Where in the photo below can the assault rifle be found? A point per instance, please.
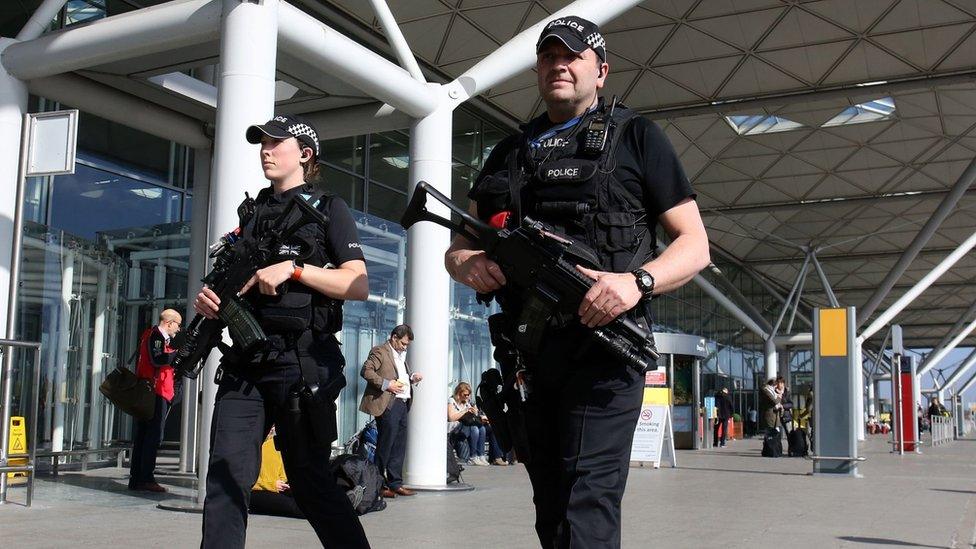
(540, 266)
(236, 260)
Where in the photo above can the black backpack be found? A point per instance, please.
(362, 482)
(772, 444)
(797, 441)
(453, 467)
(363, 443)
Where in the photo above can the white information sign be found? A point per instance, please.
(51, 143)
(654, 436)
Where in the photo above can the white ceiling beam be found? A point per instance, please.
(186, 86)
(518, 54)
(395, 38)
(128, 110)
(146, 31)
(332, 52)
(40, 19)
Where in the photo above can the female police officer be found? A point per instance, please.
(298, 302)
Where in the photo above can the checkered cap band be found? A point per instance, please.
(306, 130)
(595, 40)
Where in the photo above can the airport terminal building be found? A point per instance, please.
(830, 143)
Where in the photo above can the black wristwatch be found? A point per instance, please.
(645, 283)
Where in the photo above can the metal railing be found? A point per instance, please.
(6, 396)
(941, 427)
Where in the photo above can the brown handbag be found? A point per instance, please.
(131, 394)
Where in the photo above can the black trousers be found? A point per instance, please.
(279, 504)
(391, 442)
(145, 444)
(250, 398)
(582, 412)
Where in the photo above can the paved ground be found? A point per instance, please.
(730, 497)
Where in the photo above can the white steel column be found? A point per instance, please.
(934, 359)
(859, 419)
(40, 19)
(59, 384)
(13, 105)
(931, 226)
(113, 341)
(159, 289)
(82, 350)
(967, 385)
(772, 359)
(396, 39)
(98, 358)
(918, 288)
(871, 387)
(197, 264)
(428, 288)
(245, 96)
(951, 332)
(960, 371)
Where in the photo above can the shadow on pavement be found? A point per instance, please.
(777, 473)
(116, 486)
(953, 491)
(884, 541)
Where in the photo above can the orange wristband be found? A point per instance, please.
(297, 273)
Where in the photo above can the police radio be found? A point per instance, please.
(595, 135)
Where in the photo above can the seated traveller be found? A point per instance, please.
(466, 427)
(271, 494)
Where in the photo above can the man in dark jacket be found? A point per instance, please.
(723, 407)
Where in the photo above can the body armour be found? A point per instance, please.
(297, 308)
(554, 181)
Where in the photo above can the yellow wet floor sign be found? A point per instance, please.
(18, 445)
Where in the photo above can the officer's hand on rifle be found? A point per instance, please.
(207, 303)
(473, 269)
(610, 296)
(269, 278)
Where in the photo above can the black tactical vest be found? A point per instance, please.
(297, 308)
(576, 193)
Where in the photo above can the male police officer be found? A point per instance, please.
(605, 177)
(294, 381)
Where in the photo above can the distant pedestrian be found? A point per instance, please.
(752, 418)
(772, 405)
(723, 406)
(155, 355)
